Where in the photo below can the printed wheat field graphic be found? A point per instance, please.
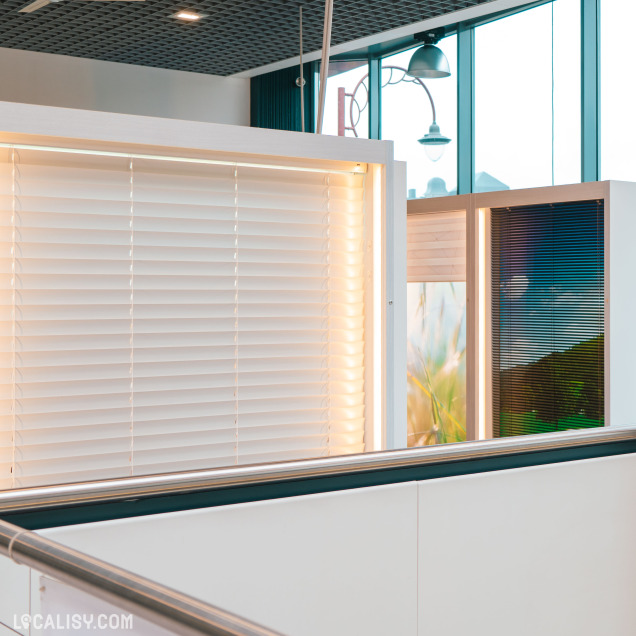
(436, 368)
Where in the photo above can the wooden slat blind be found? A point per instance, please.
(436, 247)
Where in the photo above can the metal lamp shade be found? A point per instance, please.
(429, 62)
(434, 142)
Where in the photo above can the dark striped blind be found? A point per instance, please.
(548, 317)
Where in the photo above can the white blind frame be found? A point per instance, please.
(161, 315)
(436, 247)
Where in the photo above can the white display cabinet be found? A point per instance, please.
(619, 205)
(182, 295)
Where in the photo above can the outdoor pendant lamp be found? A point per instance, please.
(434, 142)
(428, 61)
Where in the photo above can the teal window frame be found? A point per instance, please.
(590, 89)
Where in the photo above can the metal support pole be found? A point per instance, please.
(324, 67)
(302, 76)
(341, 111)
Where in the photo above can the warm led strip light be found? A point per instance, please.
(379, 360)
(482, 317)
(359, 169)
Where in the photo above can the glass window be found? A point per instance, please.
(407, 116)
(528, 99)
(618, 93)
(347, 100)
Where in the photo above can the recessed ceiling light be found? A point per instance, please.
(188, 16)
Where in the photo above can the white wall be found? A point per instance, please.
(14, 594)
(620, 264)
(58, 80)
(341, 563)
(543, 550)
(547, 550)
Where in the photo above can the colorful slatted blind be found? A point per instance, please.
(547, 266)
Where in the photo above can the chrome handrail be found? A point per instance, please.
(161, 605)
(25, 499)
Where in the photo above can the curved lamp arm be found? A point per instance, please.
(355, 101)
(421, 83)
(433, 141)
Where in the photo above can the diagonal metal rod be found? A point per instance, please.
(161, 605)
(324, 65)
(302, 76)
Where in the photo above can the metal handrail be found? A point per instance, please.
(25, 499)
(172, 610)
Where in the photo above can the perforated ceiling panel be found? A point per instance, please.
(236, 35)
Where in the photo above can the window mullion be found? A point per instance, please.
(375, 96)
(465, 109)
(590, 90)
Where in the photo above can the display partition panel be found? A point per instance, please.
(547, 317)
(439, 358)
(185, 307)
(593, 260)
(489, 209)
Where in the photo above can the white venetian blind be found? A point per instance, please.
(300, 321)
(436, 247)
(163, 315)
(184, 304)
(66, 233)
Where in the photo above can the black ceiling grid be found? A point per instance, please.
(236, 35)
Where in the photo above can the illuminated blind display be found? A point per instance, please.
(548, 317)
(161, 315)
